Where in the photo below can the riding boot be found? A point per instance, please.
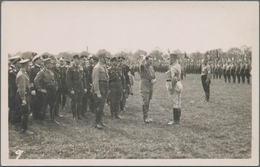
(175, 115)
(179, 113)
(145, 112)
(79, 111)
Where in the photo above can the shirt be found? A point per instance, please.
(99, 74)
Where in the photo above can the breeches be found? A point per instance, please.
(176, 99)
(204, 84)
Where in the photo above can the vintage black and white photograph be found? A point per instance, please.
(136, 82)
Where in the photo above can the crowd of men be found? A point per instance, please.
(89, 81)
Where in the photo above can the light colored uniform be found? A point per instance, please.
(174, 91)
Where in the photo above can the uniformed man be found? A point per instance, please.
(23, 94)
(242, 72)
(100, 88)
(238, 69)
(62, 68)
(228, 71)
(36, 103)
(115, 88)
(248, 71)
(224, 71)
(146, 86)
(83, 59)
(76, 87)
(12, 88)
(174, 88)
(125, 82)
(93, 60)
(46, 83)
(233, 72)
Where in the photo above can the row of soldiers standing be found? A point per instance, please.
(51, 83)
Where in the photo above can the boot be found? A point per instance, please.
(112, 110)
(176, 115)
(207, 96)
(79, 111)
(179, 114)
(145, 112)
(171, 122)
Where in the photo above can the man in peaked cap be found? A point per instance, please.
(76, 87)
(46, 83)
(36, 103)
(93, 60)
(100, 88)
(115, 88)
(23, 94)
(85, 96)
(12, 87)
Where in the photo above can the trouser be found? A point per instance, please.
(123, 101)
(225, 76)
(13, 107)
(100, 102)
(248, 78)
(234, 77)
(228, 76)
(206, 86)
(238, 78)
(147, 96)
(91, 102)
(84, 104)
(48, 99)
(243, 77)
(76, 105)
(37, 104)
(116, 94)
(23, 112)
(219, 74)
(181, 76)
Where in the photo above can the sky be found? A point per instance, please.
(56, 27)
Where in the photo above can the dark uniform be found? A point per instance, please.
(12, 89)
(247, 72)
(85, 96)
(36, 103)
(242, 72)
(45, 79)
(63, 85)
(233, 72)
(76, 83)
(115, 89)
(238, 69)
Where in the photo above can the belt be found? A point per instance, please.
(169, 80)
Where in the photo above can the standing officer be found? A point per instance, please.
(146, 85)
(224, 71)
(174, 88)
(242, 72)
(248, 71)
(115, 88)
(12, 88)
(23, 94)
(100, 88)
(238, 69)
(125, 81)
(62, 68)
(46, 83)
(93, 60)
(233, 72)
(76, 86)
(85, 98)
(36, 103)
(228, 71)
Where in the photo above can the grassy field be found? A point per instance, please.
(218, 129)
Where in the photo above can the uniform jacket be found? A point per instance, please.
(146, 74)
(75, 80)
(23, 85)
(12, 87)
(62, 70)
(115, 77)
(45, 79)
(89, 72)
(33, 72)
(99, 74)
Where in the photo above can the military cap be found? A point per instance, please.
(113, 59)
(47, 61)
(67, 61)
(14, 59)
(76, 57)
(95, 58)
(102, 55)
(172, 55)
(121, 58)
(24, 61)
(61, 59)
(36, 57)
(45, 56)
(83, 56)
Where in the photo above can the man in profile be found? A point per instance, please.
(146, 87)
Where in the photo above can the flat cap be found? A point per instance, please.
(83, 56)
(76, 57)
(47, 61)
(113, 59)
(24, 61)
(36, 58)
(95, 58)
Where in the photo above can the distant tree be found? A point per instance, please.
(139, 53)
(104, 51)
(235, 52)
(156, 54)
